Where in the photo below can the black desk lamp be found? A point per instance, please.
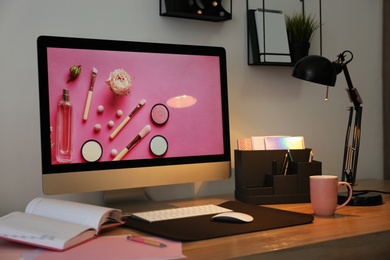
(320, 70)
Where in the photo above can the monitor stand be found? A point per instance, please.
(132, 200)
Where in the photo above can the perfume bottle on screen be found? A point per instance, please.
(64, 129)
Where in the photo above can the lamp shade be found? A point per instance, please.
(316, 69)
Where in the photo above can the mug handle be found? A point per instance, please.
(350, 192)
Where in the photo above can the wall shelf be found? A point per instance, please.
(289, 8)
(207, 10)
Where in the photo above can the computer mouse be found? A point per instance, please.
(233, 216)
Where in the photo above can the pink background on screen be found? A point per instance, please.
(191, 131)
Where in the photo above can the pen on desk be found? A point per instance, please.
(282, 169)
(146, 241)
(289, 155)
(311, 156)
(285, 169)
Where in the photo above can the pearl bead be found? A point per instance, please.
(100, 108)
(98, 127)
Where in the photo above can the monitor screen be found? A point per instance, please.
(120, 114)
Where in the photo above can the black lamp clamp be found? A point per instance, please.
(341, 65)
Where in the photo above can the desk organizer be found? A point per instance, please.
(257, 184)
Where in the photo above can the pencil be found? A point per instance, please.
(146, 241)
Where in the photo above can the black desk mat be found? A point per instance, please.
(202, 227)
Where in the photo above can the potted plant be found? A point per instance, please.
(300, 31)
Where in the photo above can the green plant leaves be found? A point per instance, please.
(301, 28)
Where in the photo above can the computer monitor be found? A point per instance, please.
(120, 114)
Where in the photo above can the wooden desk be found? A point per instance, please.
(362, 232)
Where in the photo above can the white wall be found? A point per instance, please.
(263, 100)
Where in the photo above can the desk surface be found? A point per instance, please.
(354, 231)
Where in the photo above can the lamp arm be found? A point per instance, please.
(352, 145)
(353, 93)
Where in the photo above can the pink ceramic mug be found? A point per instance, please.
(323, 194)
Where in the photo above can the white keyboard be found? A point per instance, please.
(182, 212)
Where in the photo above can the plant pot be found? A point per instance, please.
(298, 50)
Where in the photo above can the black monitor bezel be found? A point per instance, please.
(44, 42)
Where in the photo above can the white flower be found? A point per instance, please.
(120, 82)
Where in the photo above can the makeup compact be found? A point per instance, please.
(92, 151)
(158, 145)
(159, 114)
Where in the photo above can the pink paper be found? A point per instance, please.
(116, 247)
(109, 247)
(11, 250)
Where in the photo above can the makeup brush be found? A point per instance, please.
(138, 138)
(89, 97)
(127, 119)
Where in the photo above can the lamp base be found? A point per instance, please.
(361, 198)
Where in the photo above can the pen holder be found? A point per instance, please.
(258, 181)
